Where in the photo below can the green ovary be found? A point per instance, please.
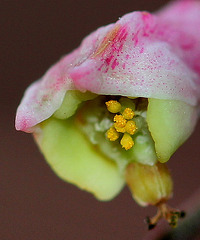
(75, 160)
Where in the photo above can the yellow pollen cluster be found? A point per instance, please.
(120, 121)
(127, 141)
(112, 134)
(131, 127)
(113, 106)
(122, 124)
(128, 113)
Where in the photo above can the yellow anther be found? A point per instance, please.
(127, 141)
(113, 106)
(120, 129)
(121, 125)
(120, 121)
(131, 127)
(128, 113)
(112, 134)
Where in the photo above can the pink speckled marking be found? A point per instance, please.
(109, 59)
(135, 38)
(114, 64)
(24, 124)
(142, 50)
(116, 45)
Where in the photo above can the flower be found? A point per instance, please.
(116, 108)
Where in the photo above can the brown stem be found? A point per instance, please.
(164, 211)
(188, 229)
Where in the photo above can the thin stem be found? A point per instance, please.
(188, 229)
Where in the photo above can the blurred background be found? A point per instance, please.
(34, 203)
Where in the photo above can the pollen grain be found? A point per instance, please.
(127, 141)
(120, 121)
(119, 129)
(112, 134)
(113, 106)
(131, 127)
(128, 113)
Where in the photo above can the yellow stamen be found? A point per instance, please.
(121, 124)
(113, 106)
(131, 127)
(120, 129)
(112, 134)
(128, 113)
(127, 141)
(120, 121)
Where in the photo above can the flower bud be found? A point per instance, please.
(149, 185)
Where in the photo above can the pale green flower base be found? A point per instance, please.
(75, 160)
(170, 122)
(81, 154)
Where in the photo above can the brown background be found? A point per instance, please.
(34, 203)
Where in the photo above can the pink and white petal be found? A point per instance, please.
(38, 104)
(181, 22)
(140, 56)
(134, 60)
(45, 96)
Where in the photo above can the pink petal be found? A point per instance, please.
(141, 55)
(181, 21)
(42, 98)
(45, 96)
(147, 56)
